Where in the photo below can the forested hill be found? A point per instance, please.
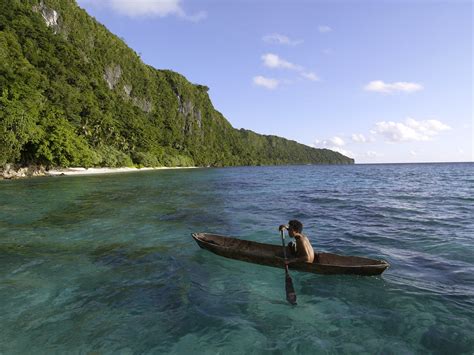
(74, 94)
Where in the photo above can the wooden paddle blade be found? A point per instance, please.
(290, 290)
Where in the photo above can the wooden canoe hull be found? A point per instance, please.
(271, 255)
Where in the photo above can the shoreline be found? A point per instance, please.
(10, 172)
(98, 171)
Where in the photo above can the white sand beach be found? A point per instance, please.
(94, 171)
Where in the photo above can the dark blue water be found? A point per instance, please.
(107, 264)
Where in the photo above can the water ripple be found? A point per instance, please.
(106, 263)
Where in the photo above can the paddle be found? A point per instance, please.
(290, 290)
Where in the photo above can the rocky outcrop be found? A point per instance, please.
(112, 75)
(190, 113)
(127, 89)
(143, 104)
(198, 117)
(50, 16)
(10, 171)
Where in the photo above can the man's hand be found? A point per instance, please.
(282, 227)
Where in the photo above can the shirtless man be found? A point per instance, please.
(304, 250)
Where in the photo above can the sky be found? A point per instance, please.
(380, 81)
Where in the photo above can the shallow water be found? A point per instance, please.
(106, 263)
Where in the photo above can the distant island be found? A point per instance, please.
(74, 94)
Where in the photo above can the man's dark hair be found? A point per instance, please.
(296, 225)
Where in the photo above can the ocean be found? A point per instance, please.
(107, 264)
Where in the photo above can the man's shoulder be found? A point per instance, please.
(302, 236)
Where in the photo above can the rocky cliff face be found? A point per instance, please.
(112, 75)
(50, 16)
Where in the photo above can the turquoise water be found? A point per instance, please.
(107, 264)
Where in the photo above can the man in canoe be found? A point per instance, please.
(301, 249)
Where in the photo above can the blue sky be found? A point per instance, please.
(380, 81)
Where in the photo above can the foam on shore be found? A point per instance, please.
(95, 171)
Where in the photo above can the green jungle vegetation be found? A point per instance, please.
(74, 94)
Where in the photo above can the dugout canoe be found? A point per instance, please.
(271, 255)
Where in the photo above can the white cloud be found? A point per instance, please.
(410, 130)
(361, 138)
(277, 38)
(267, 83)
(149, 8)
(337, 141)
(324, 29)
(334, 141)
(331, 142)
(358, 138)
(328, 51)
(310, 76)
(403, 86)
(271, 60)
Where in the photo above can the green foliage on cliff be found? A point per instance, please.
(73, 94)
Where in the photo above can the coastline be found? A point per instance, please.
(97, 171)
(10, 172)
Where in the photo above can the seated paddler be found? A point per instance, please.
(301, 249)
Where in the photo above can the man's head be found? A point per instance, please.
(294, 226)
